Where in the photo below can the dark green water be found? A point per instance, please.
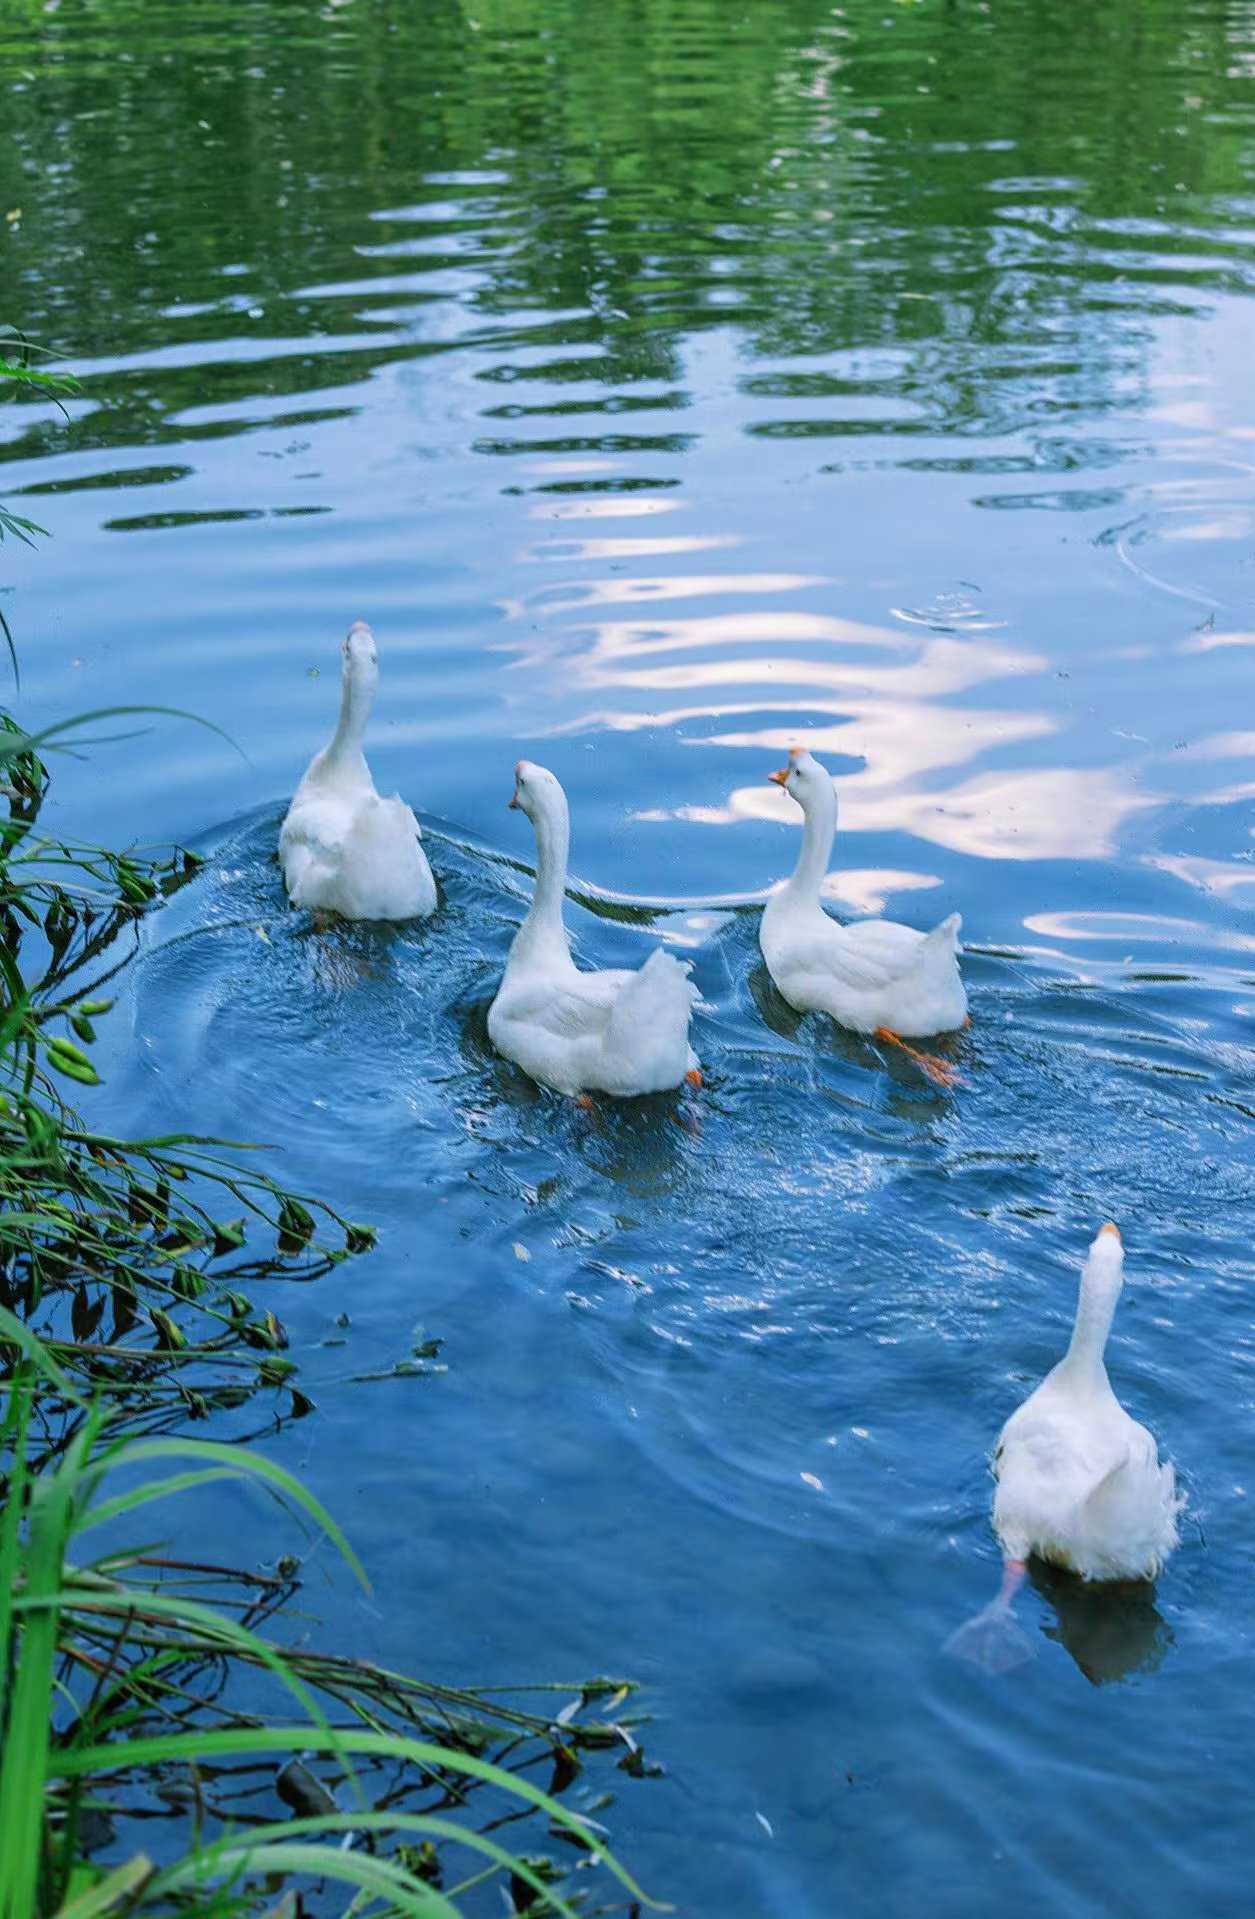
(668, 383)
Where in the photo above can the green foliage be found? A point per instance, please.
(133, 1681)
(16, 356)
(118, 1673)
(133, 1254)
(16, 374)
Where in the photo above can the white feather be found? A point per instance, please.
(872, 974)
(342, 847)
(611, 1032)
(1080, 1482)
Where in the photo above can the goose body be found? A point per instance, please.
(1080, 1483)
(343, 848)
(615, 1032)
(873, 976)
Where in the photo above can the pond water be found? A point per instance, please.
(668, 382)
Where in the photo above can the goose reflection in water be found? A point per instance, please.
(1112, 1630)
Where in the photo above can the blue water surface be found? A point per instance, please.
(668, 384)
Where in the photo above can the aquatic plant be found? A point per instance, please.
(133, 1676)
(130, 1680)
(16, 367)
(138, 1687)
(130, 1256)
(121, 1702)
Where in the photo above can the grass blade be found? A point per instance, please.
(228, 1460)
(160, 1749)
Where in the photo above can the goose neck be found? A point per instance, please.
(818, 830)
(1095, 1310)
(357, 697)
(542, 933)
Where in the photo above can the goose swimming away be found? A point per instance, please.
(874, 976)
(607, 1032)
(342, 848)
(1079, 1482)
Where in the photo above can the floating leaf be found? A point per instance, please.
(303, 1791)
(296, 1226)
(273, 1371)
(268, 1332)
(74, 1068)
(124, 1309)
(85, 1312)
(228, 1238)
(188, 1285)
(423, 1861)
(59, 1044)
(134, 884)
(170, 1333)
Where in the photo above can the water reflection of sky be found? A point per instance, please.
(672, 388)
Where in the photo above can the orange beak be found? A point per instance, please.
(1110, 1227)
(780, 776)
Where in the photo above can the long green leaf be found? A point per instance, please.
(377, 1876)
(218, 1627)
(28, 1732)
(17, 1418)
(424, 1824)
(117, 1888)
(13, 745)
(161, 1748)
(235, 1460)
(12, 1330)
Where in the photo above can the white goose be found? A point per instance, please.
(1079, 1481)
(610, 1032)
(874, 976)
(342, 848)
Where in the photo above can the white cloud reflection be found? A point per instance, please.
(1046, 813)
(883, 704)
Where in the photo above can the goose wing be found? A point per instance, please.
(399, 815)
(319, 822)
(866, 957)
(578, 1008)
(1051, 1446)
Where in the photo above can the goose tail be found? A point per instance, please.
(647, 1039)
(943, 942)
(936, 986)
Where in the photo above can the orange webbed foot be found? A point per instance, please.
(939, 1071)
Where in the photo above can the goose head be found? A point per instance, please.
(361, 658)
(1104, 1265)
(805, 780)
(537, 792)
(1101, 1281)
